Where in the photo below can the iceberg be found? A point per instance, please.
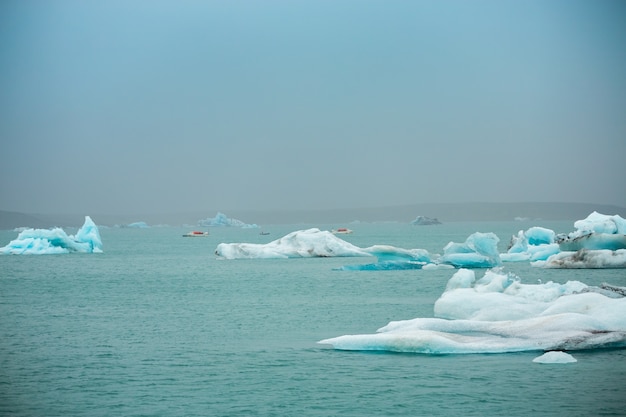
(536, 243)
(480, 250)
(392, 258)
(56, 241)
(599, 241)
(138, 225)
(221, 220)
(425, 221)
(539, 245)
(299, 244)
(585, 259)
(597, 231)
(555, 357)
(498, 314)
(317, 243)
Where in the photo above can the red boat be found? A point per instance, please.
(196, 233)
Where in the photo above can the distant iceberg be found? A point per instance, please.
(498, 314)
(56, 241)
(138, 225)
(425, 221)
(221, 220)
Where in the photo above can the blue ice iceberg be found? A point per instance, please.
(480, 250)
(498, 314)
(221, 220)
(55, 241)
(534, 244)
(392, 258)
(597, 231)
(599, 241)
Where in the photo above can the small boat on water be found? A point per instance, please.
(264, 233)
(196, 233)
(341, 230)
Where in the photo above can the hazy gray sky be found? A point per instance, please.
(170, 106)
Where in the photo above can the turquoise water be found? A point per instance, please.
(156, 326)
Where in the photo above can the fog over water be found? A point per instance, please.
(186, 108)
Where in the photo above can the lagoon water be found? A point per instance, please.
(157, 326)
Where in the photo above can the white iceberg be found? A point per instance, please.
(138, 225)
(498, 314)
(555, 357)
(55, 241)
(299, 244)
(221, 220)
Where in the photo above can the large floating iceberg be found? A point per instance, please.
(299, 244)
(499, 314)
(55, 241)
(597, 231)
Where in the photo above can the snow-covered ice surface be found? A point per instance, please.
(498, 313)
(299, 244)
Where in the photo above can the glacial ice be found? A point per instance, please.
(585, 259)
(221, 220)
(498, 314)
(555, 357)
(56, 241)
(597, 242)
(138, 225)
(480, 250)
(299, 244)
(537, 245)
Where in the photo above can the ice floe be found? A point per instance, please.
(497, 314)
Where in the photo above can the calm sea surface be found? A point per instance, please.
(156, 326)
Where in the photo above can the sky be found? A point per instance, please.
(175, 106)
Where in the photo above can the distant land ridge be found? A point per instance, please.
(448, 212)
